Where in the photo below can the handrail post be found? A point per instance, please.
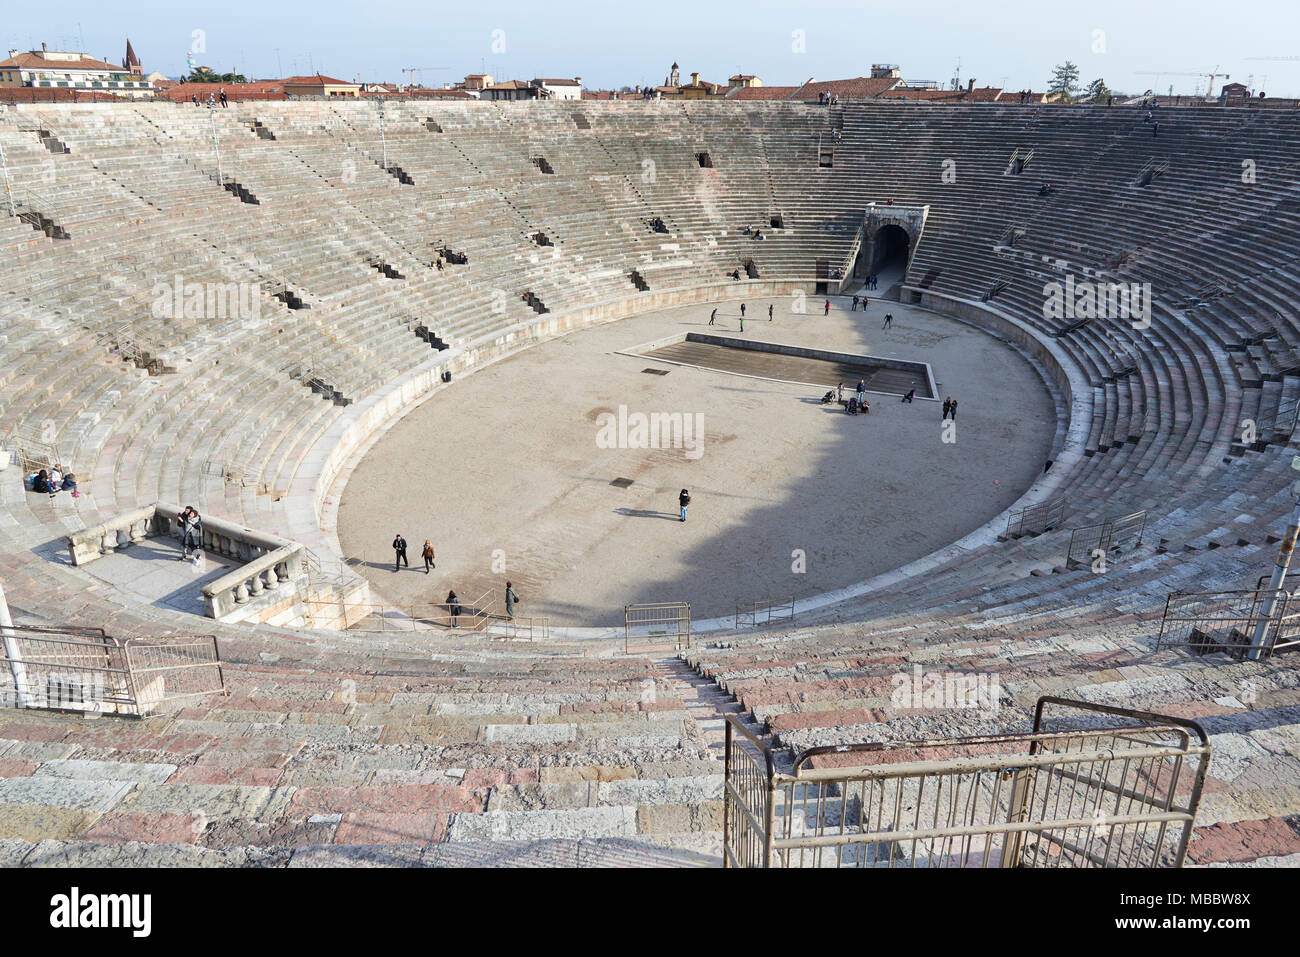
(726, 794)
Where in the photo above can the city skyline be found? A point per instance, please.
(1014, 47)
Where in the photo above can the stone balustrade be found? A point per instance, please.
(118, 532)
(255, 582)
(268, 562)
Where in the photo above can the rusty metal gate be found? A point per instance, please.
(1097, 787)
(656, 624)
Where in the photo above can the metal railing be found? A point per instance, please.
(475, 615)
(1110, 538)
(764, 611)
(531, 628)
(654, 624)
(1226, 621)
(86, 670)
(1125, 795)
(1035, 519)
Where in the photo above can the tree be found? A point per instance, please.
(1065, 82)
(1097, 91)
(199, 76)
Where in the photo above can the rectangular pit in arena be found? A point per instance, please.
(783, 363)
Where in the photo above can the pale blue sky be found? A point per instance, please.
(1013, 43)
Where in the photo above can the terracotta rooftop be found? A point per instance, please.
(316, 79)
(762, 92)
(39, 62)
(858, 88)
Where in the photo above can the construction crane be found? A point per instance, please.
(412, 70)
(1212, 74)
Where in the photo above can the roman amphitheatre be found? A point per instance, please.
(414, 318)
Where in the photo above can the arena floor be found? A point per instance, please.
(505, 471)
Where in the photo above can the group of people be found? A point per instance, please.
(713, 316)
(454, 607)
(212, 99)
(828, 99)
(399, 554)
(53, 481)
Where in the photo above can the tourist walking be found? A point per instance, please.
(683, 500)
(511, 598)
(854, 307)
(399, 552)
(427, 555)
(712, 316)
(827, 310)
(889, 320)
(947, 406)
(742, 310)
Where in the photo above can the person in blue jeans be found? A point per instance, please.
(684, 499)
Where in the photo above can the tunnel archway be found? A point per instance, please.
(891, 248)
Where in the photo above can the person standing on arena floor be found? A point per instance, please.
(947, 406)
(742, 312)
(862, 391)
(769, 312)
(399, 552)
(713, 315)
(511, 598)
(827, 310)
(889, 320)
(427, 555)
(453, 608)
(952, 410)
(839, 392)
(683, 500)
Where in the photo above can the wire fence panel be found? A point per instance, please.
(656, 624)
(1120, 796)
(1035, 519)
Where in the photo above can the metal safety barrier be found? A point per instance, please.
(80, 669)
(1035, 519)
(651, 624)
(764, 611)
(1226, 621)
(1078, 795)
(1106, 540)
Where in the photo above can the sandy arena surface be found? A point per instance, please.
(505, 472)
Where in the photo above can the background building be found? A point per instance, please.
(64, 70)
